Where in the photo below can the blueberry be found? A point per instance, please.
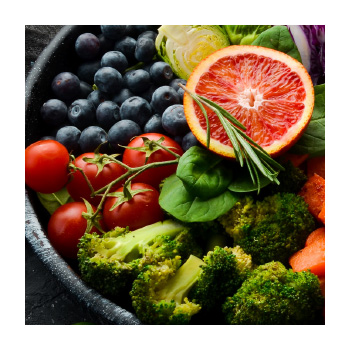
(91, 138)
(122, 95)
(105, 44)
(113, 32)
(48, 138)
(163, 97)
(122, 132)
(127, 46)
(175, 83)
(115, 59)
(136, 109)
(108, 80)
(97, 97)
(137, 81)
(178, 139)
(85, 89)
(81, 113)
(174, 121)
(145, 49)
(147, 66)
(69, 136)
(181, 93)
(154, 124)
(87, 46)
(148, 34)
(87, 70)
(161, 73)
(54, 112)
(66, 86)
(143, 28)
(147, 94)
(107, 114)
(188, 141)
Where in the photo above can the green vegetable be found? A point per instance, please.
(52, 201)
(274, 295)
(278, 38)
(244, 34)
(271, 229)
(203, 173)
(177, 201)
(184, 46)
(171, 293)
(312, 142)
(110, 263)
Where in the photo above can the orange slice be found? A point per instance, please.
(268, 91)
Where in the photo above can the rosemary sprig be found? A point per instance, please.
(245, 149)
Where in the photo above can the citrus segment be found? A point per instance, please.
(269, 92)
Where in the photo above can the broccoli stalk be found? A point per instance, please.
(110, 263)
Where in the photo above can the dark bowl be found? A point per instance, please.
(56, 58)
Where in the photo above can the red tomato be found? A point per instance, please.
(66, 226)
(142, 210)
(78, 187)
(135, 159)
(46, 166)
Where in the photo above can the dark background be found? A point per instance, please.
(46, 301)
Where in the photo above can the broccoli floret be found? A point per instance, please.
(274, 295)
(271, 229)
(159, 294)
(292, 179)
(110, 263)
(223, 273)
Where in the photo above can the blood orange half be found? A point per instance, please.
(269, 92)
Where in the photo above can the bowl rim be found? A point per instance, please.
(102, 308)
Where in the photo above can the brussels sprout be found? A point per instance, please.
(244, 35)
(183, 47)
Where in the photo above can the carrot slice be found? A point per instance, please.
(312, 258)
(313, 193)
(317, 166)
(322, 214)
(317, 235)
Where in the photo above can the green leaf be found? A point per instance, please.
(278, 38)
(177, 201)
(312, 142)
(242, 181)
(203, 173)
(244, 34)
(52, 201)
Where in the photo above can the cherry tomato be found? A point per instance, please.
(78, 187)
(143, 209)
(135, 158)
(66, 226)
(46, 166)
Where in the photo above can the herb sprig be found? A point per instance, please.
(246, 150)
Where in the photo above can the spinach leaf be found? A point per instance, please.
(177, 201)
(278, 38)
(52, 201)
(203, 173)
(242, 181)
(312, 142)
(244, 34)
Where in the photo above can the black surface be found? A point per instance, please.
(46, 301)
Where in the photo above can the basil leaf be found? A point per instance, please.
(312, 142)
(52, 201)
(278, 38)
(203, 173)
(242, 181)
(177, 201)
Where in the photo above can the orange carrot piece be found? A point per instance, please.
(322, 214)
(295, 159)
(318, 234)
(313, 193)
(317, 166)
(312, 258)
(323, 285)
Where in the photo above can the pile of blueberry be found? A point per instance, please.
(120, 90)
